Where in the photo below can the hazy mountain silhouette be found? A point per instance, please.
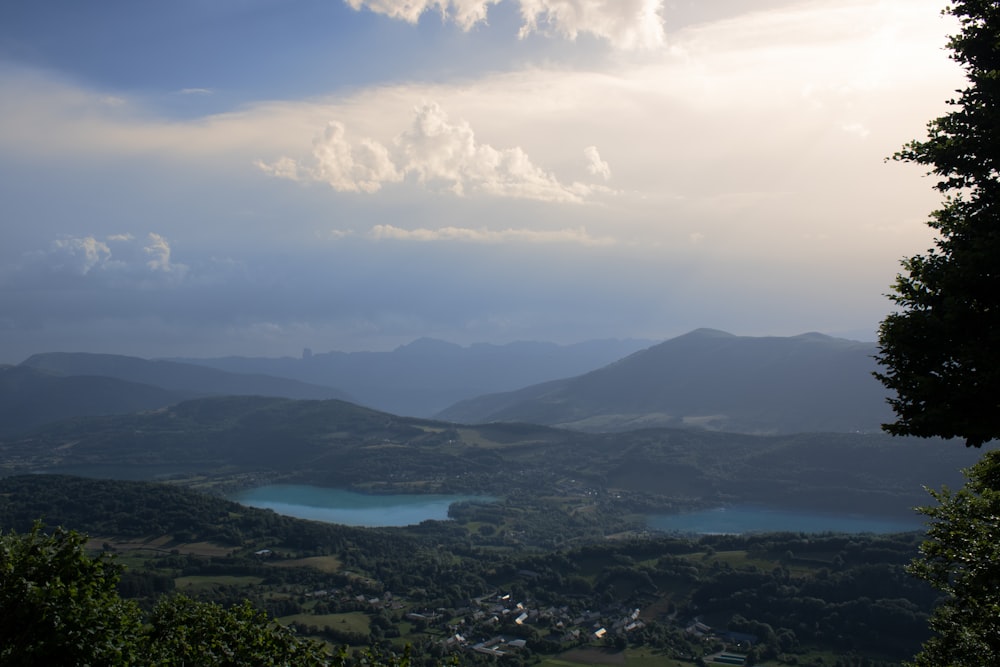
(428, 375)
(31, 397)
(189, 378)
(712, 379)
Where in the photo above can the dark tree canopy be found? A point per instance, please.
(961, 558)
(59, 606)
(940, 350)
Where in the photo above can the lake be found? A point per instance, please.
(349, 508)
(751, 519)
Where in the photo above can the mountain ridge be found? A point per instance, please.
(176, 376)
(707, 377)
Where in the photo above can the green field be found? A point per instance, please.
(348, 622)
(207, 582)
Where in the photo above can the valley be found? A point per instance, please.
(548, 545)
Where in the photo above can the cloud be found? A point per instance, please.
(466, 13)
(578, 236)
(158, 251)
(76, 256)
(435, 152)
(625, 24)
(360, 167)
(118, 259)
(595, 165)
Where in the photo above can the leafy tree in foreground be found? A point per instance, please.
(188, 632)
(941, 350)
(60, 607)
(961, 558)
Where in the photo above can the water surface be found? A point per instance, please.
(350, 508)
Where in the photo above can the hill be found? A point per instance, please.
(428, 375)
(710, 379)
(30, 397)
(175, 376)
(338, 444)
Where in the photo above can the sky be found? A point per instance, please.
(252, 177)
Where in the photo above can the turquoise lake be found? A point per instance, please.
(748, 519)
(349, 508)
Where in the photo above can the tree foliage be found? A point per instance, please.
(59, 606)
(961, 558)
(941, 349)
(188, 632)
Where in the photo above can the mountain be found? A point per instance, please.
(712, 379)
(30, 397)
(428, 375)
(180, 377)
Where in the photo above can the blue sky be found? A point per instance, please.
(203, 178)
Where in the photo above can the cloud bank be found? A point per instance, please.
(578, 236)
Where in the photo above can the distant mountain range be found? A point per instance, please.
(52, 386)
(428, 375)
(712, 379)
(707, 378)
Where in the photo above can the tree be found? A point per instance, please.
(941, 350)
(188, 632)
(60, 607)
(961, 558)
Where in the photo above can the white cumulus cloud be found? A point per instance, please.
(595, 165)
(437, 150)
(626, 24)
(434, 151)
(361, 167)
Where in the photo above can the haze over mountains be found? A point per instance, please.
(52, 386)
(427, 375)
(706, 378)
